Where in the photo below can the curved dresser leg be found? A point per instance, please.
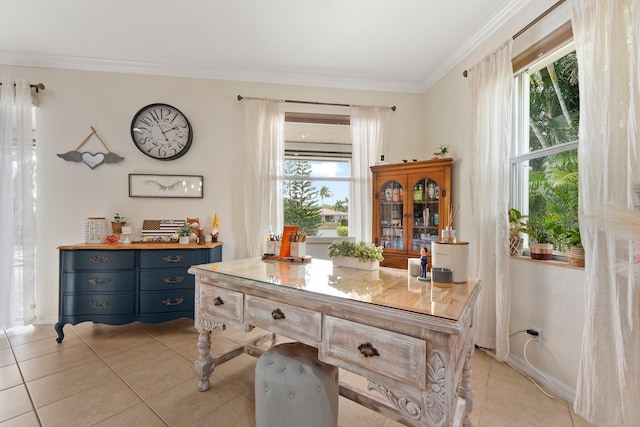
(59, 327)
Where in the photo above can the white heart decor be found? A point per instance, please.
(93, 160)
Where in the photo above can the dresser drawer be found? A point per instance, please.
(222, 304)
(172, 258)
(398, 356)
(100, 281)
(297, 323)
(98, 260)
(166, 302)
(99, 304)
(178, 278)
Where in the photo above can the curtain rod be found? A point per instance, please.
(531, 24)
(38, 87)
(240, 98)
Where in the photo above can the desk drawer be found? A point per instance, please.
(172, 258)
(222, 304)
(99, 304)
(294, 322)
(154, 280)
(399, 356)
(98, 260)
(166, 302)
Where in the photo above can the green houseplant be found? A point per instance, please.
(540, 232)
(361, 255)
(184, 234)
(117, 223)
(516, 225)
(573, 245)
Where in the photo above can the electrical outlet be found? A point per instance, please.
(536, 333)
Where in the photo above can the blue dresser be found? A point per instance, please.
(118, 284)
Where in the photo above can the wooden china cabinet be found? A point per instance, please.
(410, 207)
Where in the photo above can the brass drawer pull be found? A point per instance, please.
(95, 304)
(101, 260)
(178, 279)
(218, 301)
(98, 282)
(368, 350)
(277, 314)
(168, 302)
(173, 260)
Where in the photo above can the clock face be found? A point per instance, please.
(161, 131)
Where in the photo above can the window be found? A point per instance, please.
(317, 173)
(544, 162)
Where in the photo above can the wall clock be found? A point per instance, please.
(161, 131)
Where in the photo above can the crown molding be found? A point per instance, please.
(508, 11)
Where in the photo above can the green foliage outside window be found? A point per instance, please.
(554, 119)
(301, 199)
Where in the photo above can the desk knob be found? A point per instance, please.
(277, 314)
(218, 301)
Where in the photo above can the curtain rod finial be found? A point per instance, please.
(393, 108)
(239, 97)
(464, 73)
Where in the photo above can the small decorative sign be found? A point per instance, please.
(90, 159)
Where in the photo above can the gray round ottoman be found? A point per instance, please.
(293, 388)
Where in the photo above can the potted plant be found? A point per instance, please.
(361, 255)
(184, 234)
(117, 223)
(516, 226)
(541, 239)
(573, 246)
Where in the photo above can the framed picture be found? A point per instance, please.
(175, 186)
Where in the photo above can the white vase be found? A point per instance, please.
(183, 240)
(350, 262)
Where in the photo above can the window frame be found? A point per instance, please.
(556, 45)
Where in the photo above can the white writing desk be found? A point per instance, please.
(419, 372)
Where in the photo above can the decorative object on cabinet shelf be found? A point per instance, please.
(214, 228)
(184, 234)
(90, 159)
(161, 230)
(516, 242)
(361, 255)
(168, 186)
(113, 239)
(117, 223)
(440, 152)
(126, 232)
(95, 229)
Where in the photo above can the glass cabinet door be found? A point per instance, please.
(392, 215)
(426, 212)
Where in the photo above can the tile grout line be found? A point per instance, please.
(24, 383)
(123, 381)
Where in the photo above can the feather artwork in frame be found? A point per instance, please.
(170, 186)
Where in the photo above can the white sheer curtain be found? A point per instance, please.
(17, 245)
(607, 40)
(491, 83)
(369, 126)
(263, 170)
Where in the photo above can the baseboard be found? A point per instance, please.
(557, 387)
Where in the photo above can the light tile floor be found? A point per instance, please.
(142, 375)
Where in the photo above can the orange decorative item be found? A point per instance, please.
(287, 236)
(113, 239)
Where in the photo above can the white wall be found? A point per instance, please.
(68, 192)
(545, 296)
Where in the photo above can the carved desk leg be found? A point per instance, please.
(203, 366)
(466, 392)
